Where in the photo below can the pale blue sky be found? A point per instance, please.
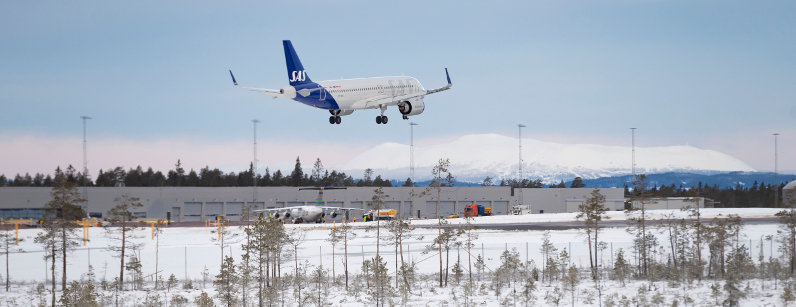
(717, 75)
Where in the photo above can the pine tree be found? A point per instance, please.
(171, 282)
(317, 170)
(121, 215)
(577, 183)
(226, 283)
(592, 211)
(204, 300)
(297, 175)
(548, 250)
(621, 267)
(8, 245)
(439, 172)
(60, 216)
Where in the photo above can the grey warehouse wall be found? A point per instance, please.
(199, 203)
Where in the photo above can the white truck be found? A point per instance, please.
(520, 209)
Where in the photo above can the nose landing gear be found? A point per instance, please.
(335, 120)
(381, 119)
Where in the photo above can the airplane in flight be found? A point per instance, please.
(306, 214)
(343, 97)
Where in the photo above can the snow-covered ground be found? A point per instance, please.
(187, 252)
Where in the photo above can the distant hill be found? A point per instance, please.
(473, 157)
(731, 179)
(687, 180)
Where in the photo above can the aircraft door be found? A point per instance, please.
(322, 93)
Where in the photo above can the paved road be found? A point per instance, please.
(578, 224)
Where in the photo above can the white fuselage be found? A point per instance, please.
(392, 90)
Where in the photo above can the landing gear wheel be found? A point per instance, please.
(406, 117)
(337, 120)
(384, 119)
(331, 119)
(378, 119)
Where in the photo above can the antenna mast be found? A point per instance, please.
(85, 163)
(412, 152)
(519, 181)
(254, 163)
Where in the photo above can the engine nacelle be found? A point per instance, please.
(341, 112)
(412, 107)
(276, 215)
(334, 214)
(288, 91)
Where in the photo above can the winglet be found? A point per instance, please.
(446, 74)
(236, 82)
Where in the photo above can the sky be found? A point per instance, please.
(153, 77)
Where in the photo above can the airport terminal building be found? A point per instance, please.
(206, 203)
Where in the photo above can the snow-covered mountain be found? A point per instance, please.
(474, 157)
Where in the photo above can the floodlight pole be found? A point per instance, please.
(85, 164)
(776, 173)
(633, 149)
(519, 181)
(254, 163)
(412, 151)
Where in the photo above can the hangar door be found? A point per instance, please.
(233, 211)
(445, 208)
(500, 207)
(193, 212)
(406, 209)
(256, 205)
(392, 205)
(212, 210)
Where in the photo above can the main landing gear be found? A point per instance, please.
(382, 119)
(335, 120)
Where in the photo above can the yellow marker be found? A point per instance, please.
(153, 228)
(219, 228)
(16, 227)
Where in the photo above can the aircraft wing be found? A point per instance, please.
(338, 208)
(372, 102)
(276, 209)
(444, 88)
(272, 93)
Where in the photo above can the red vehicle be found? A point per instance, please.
(476, 210)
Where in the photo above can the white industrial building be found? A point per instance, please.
(205, 203)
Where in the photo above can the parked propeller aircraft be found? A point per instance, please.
(343, 97)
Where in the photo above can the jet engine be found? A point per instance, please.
(334, 214)
(276, 215)
(411, 107)
(341, 112)
(288, 91)
(287, 215)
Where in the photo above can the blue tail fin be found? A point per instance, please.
(295, 71)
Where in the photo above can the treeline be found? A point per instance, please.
(205, 177)
(758, 195)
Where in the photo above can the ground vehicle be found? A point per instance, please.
(385, 214)
(476, 210)
(520, 209)
(453, 216)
